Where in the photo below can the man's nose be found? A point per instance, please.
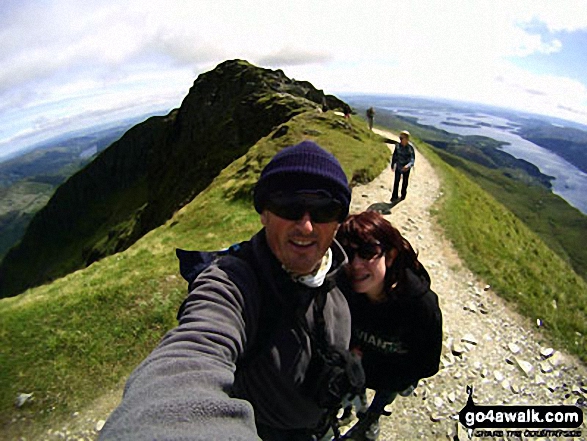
(305, 223)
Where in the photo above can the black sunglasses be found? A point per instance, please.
(293, 207)
(366, 251)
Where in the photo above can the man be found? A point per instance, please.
(402, 162)
(237, 365)
(370, 117)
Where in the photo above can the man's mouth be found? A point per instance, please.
(302, 243)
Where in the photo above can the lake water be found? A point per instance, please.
(569, 182)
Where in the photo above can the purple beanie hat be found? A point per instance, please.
(303, 167)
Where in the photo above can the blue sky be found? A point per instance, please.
(68, 64)
(570, 60)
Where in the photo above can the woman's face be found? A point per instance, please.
(366, 270)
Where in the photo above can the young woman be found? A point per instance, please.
(395, 318)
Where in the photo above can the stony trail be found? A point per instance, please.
(486, 344)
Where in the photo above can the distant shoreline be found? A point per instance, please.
(519, 133)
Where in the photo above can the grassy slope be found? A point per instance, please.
(495, 244)
(561, 226)
(68, 341)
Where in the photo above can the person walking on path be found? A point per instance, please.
(370, 117)
(244, 362)
(402, 161)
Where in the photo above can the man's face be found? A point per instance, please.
(403, 139)
(301, 243)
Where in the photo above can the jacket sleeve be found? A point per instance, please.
(182, 389)
(424, 359)
(412, 157)
(394, 156)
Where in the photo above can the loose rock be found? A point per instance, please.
(22, 399)
(524, 366)
(469, 338)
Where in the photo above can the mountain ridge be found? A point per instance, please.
(154, 169)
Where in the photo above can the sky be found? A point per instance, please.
(70, 64)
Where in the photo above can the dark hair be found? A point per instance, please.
(369, 227)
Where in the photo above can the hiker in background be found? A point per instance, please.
(324, 105)
(402, 161)
(246, 360)
(346, 109)
(370, 117)
(396, 319)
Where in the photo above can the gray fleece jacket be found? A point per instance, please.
(236, 359)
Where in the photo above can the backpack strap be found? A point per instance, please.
(192, 263)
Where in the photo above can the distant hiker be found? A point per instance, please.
(396, 320)
(370, 117)
(261, 349)
(324, 105)
(402, 162)
(346, 109)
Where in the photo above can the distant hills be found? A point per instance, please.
(28, 180)
(154, 169)
(567, 139)
(515, 183)
(567, 142)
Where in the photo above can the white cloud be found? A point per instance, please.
(67, 51)
(293, 57)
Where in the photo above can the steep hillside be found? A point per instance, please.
(70, 341)
(154, 169)
(568, 142)
(27, 181)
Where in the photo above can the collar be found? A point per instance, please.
(315, 279)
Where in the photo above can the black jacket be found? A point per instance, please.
(237, 349)
(403, 156)
(401, 339)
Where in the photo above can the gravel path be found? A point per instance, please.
(486, 344)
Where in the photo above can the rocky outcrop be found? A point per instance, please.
(157, 167)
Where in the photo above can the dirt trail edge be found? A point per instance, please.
(486, 344)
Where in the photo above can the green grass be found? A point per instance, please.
(561, 226)
(68, 341)
(496, 245)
